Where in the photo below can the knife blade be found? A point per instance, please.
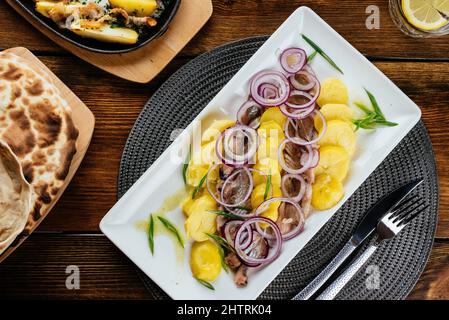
(364, 229)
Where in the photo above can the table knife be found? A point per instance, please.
(366, 228)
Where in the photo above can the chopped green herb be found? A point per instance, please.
(243, 208)
(227, 215)
(221, 241)
(312, 56)
(199, 186)
(222, 253)
(267, 187)
(321, 53)
(185, 167)
(170, 227)
(373, 117)
(151, 234)
(206, 284)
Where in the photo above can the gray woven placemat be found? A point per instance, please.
(400, 261)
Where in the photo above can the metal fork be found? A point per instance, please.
(390, 225)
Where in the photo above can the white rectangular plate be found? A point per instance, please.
(164, 177)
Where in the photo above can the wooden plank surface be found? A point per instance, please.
(93, 190)
(37, 269)
(106, 274)
(236, 19)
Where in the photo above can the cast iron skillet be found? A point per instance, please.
(171, 7)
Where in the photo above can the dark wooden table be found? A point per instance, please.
(70, 234)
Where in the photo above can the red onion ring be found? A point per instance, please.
(303, 87)
(230, 234)
(248, 194)
(316, 158)
(305, 165)
(291, 234)
(296, 113)
(299, 140)
(229, 157)
(268, 91)
(312, 100)
(242, 112)
(299, 56)
(275, 250)
(274, 78)
(302, 190)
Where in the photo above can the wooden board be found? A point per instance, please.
(83, 119)
(145, 63)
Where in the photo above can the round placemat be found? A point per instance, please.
(397, 264)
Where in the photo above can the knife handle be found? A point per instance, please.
(327, 272)
(336, 286)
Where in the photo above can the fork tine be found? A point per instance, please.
(403, 202)
(410, 205)
(405, 221)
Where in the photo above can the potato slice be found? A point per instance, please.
(271, 129)
(257, 197)
(109, 34)
(332, 111)
(333, 90)
(203, 203)
(267, 166)
(268, 148)
(274, 114)
(205, 261)
(334, 161)
(195, 172)
(326, 192)
(215, 129)
(340, 133)
(201, 220)
(139, 8)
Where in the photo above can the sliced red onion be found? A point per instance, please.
(300, 100)
(293, 60)
(303, 185)
(276, 244)
(300, 219)
(272, 77)
(304, 140)
(316, 158)
(258, 249)
(241, 137)
(309, 69)
(296, 113)
(268, 91)
(303, 80)
(247, 194)
(249, 114)
(306, 160)
(230, 230)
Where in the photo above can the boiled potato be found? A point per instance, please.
(268, 148)
(340, 133)
(271, 129)
(205, 261)
(208, 154)
(333, 90)
(190, 205)
(139, 8)
(215, 129)
(195, 172)
(201, 220)
(334, 161)
(257, 197)
(274, 114)
(109, 34)
(267, 166)
(326, 192)
(332, 111)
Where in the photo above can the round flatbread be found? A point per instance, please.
(15, 197)
(36, 122)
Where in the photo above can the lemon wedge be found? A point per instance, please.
(426, 14)
(334, 161)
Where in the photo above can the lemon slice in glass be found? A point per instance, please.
(426, 14)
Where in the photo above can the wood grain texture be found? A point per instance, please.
(236, 19)
(144, 64)
(116, 105)
(106, 274)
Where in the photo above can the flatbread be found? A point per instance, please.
(15, 197)
(36, 122)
